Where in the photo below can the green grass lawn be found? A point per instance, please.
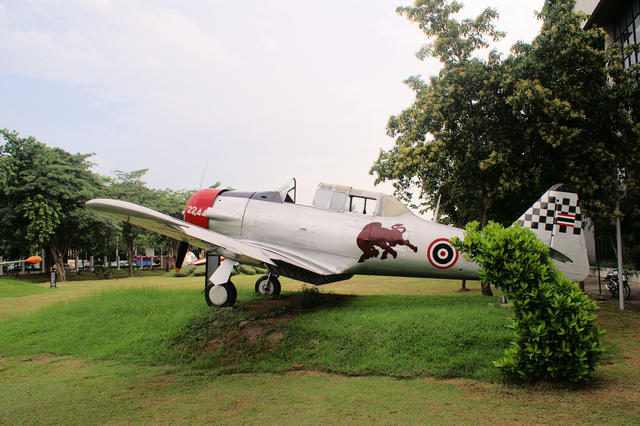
(405, 336)
(14, 288)
(388, 350)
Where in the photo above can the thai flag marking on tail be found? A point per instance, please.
(564, 219)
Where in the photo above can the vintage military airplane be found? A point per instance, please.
(345, 231)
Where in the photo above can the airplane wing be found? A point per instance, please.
(177, 229)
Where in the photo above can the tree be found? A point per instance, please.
(43, 194)
(128, 186)
(169, 202)
(580, 109)
(459, 141)
(499, 132)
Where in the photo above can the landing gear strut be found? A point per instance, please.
(268, 285)
(219, 291)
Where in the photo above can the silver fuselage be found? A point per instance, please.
(329, 238)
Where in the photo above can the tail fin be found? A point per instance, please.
(557, 221)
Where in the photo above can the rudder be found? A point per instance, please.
(557, 221)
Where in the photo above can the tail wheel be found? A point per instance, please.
(221, 295)
(268, 286)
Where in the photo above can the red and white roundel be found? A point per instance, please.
(442, 254)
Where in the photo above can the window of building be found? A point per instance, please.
(626, 31)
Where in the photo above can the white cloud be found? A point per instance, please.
(261, 90)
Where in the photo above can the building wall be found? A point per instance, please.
(586, 6)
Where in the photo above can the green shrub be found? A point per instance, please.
(102, 271)
(635, 257)
(556, 336)
(246, 269)
(186, 271)
(311, 297)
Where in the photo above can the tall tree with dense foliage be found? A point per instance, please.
(580, 109)
(128, 186)
(499, 132)
(42, 196)
(458, 142)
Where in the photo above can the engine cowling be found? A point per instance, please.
(198, 204)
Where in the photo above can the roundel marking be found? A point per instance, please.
(442, 254)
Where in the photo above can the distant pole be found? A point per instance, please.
(204, 172)
(436, 214)
(1, 266)
(619, 246)
(42, 264)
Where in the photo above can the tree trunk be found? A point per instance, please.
(486, 289)
(486, 208)
(487, 202)
(129, 242)
(58, 260)
(130, 250)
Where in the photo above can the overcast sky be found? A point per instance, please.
(256, 92)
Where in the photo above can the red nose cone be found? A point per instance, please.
(33, 259)
(198, 204)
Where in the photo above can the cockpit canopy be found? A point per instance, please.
(347, 199)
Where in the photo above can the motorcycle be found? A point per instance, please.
(611, 284)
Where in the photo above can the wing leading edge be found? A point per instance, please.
(180, 230)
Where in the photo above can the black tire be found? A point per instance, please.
(224, 298)
(627, 291)
(268, 286)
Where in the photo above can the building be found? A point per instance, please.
(619, 18)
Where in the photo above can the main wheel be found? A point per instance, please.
(221, 295)
(268, 286)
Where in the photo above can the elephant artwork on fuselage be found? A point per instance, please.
(374, 235)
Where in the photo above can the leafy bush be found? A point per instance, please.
(556, 336)
(311, 297)
(200, 271)
(635, 257)
(246, 269)
(102, 271)
(185, 271)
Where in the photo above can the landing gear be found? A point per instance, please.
(221, 295)
(268, 285)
